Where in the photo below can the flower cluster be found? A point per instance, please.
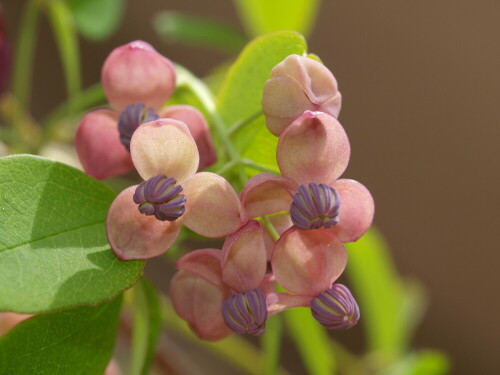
(313, 211)
(282, 230)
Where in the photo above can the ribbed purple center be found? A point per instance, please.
(246, 312)
(130, 119)
(160, 196)
(336, 308)
(315, 206)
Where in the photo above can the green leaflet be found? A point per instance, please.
(390, 307)
(72, 342)
(241, 94)
(182, 27)
(97, 19)
(311, 340)
(53, 247)
(264, 16)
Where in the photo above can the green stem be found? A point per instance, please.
(270, 227)
(23, 64)
(241, 124)
(67, 41)
(226, 167)
(198, 88)
(256, 166)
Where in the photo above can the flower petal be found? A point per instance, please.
(136, 73)
(205, 263)
(356, 210)
(198, 128)
(315, 148)
(164, 146)
(281, 222)
(266, 194)
(283, 101)
(199, 302)
(213, 208)
(133, 235)
(244, 257)
(307, 262)
(98, 145)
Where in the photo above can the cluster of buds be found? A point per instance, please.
(285, 230)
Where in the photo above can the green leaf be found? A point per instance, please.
(97, 19)
(428, 362)
(185, 28)
(311, 341)
(75, 341)
(53, 247)
(264, 16)
(241, 93)
(147, 327)
(390, 307)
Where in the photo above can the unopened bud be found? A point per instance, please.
(298, 84)
(246, 312)
(315, 206)
(336, 308)
(136, 73)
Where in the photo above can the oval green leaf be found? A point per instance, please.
(264, 16)
(74, 341)
(53, 247)
(97, 19)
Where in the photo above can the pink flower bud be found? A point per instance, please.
(298, 84)
(136, 73)
(98, 145)
(198, 128)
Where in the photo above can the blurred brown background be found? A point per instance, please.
(421, 88)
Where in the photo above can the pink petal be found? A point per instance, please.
(278, 302)
(266, 194)
(199, 303)
(356, 210)
(244, 257)
(136, 73)
(98, 145)
(164, 146)
(198, 128)
(283, 101)
(205, 263)
(133, 235)
(213, 208)
(307, 262)
(315, 148)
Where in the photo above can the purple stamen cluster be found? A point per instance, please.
(336, 308)
(130, 119)
(159, 196)
(315, 206)
(246, 312)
